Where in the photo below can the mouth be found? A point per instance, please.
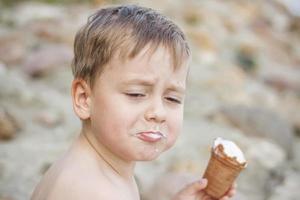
(151, 136)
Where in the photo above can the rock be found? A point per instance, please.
(50, 118)
(296, 159)
(28, 12)
(2, 69)
(100, 2)
(260, 153)
(289, 189)
(293, 6)
(6, 197)
(12, 48)
(241, 196)
(281, 21)
(191, 15)
(8, 125)
(295, 26)
(53, 30)
(47, 29)
(19, 91)
(255, 121)
(289, 106)
(246, 57)
(2, 170)
(47, 58)
(283, 78)
(219, 85)
(266, 164)
(203, 40)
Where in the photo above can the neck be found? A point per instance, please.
(106, 158)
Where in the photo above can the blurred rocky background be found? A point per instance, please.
(244, 85)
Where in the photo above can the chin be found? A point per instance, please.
(150, 158)
(150, 155)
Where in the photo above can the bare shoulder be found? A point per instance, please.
(74, 178)
(71, 179)
(78, 185)
(79, 176)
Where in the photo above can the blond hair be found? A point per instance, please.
(125, 29)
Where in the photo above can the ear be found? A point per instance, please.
(81, 97)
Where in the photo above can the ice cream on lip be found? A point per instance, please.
(151, 136)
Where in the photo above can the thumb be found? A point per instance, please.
(194, 187)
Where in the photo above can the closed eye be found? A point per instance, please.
(173, 100)
(135, 94)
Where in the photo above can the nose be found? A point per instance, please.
(156, 111)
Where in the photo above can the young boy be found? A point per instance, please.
(130, 70)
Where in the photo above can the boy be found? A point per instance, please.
(130, 69)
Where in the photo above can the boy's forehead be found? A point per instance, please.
(149, 62)
(150, 54)
(147, 66)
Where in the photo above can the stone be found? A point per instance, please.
(12, 48)
(50, 118)
(259, 122)
(3, 69)
(31, 11)
(6, 197)
(47, 58)
(246, 58)
(266, 165)
(191, 15)
(203, 40)
(295, 25)
(8, 125)
(2, 170)
(289, 189)
(99, 2)
(53, 30)
(293, 6)
(289, 106)
(283, 78)
(296, 160)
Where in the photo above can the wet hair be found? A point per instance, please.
(124, 31)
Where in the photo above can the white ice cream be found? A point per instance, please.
(230, 149)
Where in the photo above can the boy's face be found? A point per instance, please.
(136, 106)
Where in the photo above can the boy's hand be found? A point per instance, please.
(195, 191)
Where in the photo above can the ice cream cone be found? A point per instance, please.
(221, 172)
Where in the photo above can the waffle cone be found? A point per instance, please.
(221, 172)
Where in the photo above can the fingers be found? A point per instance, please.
(206, 197)
(194, 188)
(231, 192)
(225, 198)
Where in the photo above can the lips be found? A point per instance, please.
(150, 136)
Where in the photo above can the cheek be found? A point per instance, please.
(114, 115)
(174, 126)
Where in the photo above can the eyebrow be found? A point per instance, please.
(177, 89)
(150, 82)
(144, 82)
